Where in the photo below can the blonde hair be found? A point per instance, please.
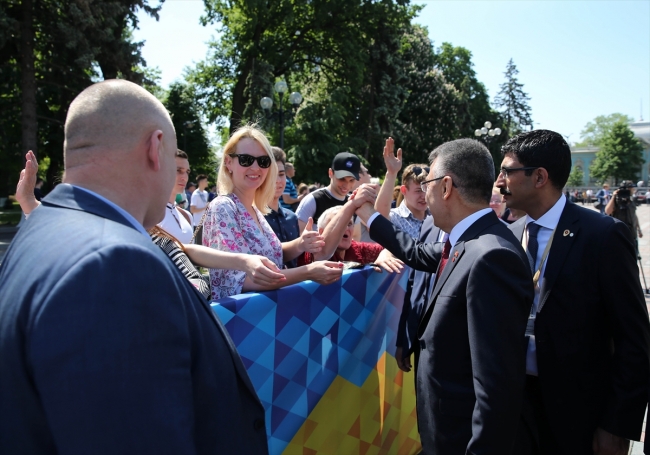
(264, 194)
(409, 176)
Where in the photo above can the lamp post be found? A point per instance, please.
(186, 125)
(295, 99)
(487, 134)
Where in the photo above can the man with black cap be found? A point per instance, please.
(343, 173)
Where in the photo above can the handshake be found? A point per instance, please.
(363, 198)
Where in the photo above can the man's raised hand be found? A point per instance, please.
(393, 163)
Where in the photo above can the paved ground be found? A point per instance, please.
(643, 211)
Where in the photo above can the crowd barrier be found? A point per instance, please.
(322, 361)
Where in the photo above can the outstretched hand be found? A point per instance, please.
(325, 272)
(263, 271)
(311, 241)
(26, 182)
(388, 262)
(393, 163)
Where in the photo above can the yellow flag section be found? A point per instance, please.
(381, 418)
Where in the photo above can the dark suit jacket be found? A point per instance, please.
(592, 334)
(416, 298)
(472, 362)
(105, 348)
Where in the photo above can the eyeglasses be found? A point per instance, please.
(506, 170)
(424, 185)
(417, 170)
(248, 160)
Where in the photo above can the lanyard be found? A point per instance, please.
(524, 243)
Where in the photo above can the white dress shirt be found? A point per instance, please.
(547, 222)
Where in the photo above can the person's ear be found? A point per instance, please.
(403, 189)
(447, 185)
(330, 173)
(155, 150)
(541, 177)
(227, 161)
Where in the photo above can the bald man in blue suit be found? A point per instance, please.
(105, 347)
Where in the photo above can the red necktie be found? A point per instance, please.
(445, 257)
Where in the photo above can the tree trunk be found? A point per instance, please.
(28, 80)
(238, 96)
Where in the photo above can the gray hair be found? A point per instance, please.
(327, 215)
(469, 164)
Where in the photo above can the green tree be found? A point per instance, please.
(576, 178)
(512, 102)
(190, 132)
(620, 155)
(474, 108)
(431, 111)
(49, 51)
(594, 131)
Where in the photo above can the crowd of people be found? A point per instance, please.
(524, 319)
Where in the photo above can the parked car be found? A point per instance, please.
(641, 196)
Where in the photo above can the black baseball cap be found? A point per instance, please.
(346, 165)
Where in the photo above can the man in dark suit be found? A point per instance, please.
(415, 300)
(587, 360)
(470, 373)
(105, 347)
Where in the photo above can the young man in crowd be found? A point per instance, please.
(282, 220)
(343, 173)
(191, 186)
(199, 201)
(290, 198)
(177, 221)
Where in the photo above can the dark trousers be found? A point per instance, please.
(534, 436)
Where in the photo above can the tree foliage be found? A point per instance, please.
(620, 156)
(50, 50)
(364, 70)
(190, 132)
(512, 102)
(576, 177)
(594, 131)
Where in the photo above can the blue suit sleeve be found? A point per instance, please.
(110, 353)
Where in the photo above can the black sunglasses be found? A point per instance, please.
(248, 160)
(417, 170)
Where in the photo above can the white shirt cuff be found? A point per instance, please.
(372, 218)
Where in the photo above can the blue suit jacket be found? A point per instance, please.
(106, 348)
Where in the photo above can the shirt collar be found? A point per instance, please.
(465, 223)
(403, 211)
(552, 217)
(119, 209)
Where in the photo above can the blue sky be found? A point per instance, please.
(576, 59)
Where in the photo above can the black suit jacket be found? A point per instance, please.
(592, 333)
(471, 368)
(416, 297)
(106, 348)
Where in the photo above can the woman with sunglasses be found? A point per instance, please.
(235, 219)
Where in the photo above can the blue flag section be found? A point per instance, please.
(322, 361)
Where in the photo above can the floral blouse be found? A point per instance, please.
(229, 227)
